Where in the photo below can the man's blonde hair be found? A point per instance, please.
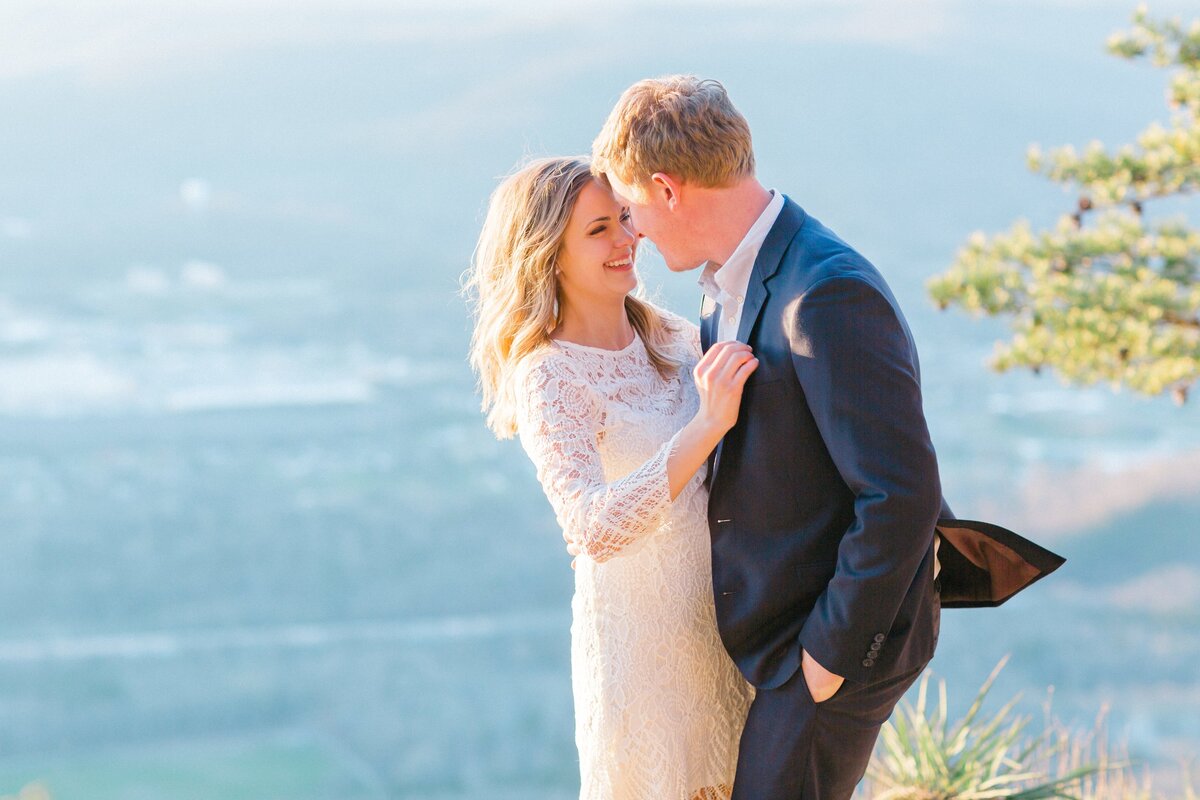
(679, 124)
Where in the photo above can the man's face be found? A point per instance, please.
(657, 213)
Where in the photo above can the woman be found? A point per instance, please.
(619, 412)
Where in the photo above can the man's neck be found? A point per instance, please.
(730, 213)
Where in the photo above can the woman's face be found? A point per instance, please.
(596, 261)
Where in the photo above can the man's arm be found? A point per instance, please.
(859, 375)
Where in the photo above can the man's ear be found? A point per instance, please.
(668, 187)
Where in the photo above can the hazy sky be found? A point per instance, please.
(123, 41)
(312, 132)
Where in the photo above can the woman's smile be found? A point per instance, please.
(622, 264)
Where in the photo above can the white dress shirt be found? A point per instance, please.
(726, 283)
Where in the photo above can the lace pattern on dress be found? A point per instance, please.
(560, 427)
(659, 705)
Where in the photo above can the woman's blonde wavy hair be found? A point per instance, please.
(511, 286)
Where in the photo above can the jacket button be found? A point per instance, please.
(879, 637)
(875, 646)
(868, 662)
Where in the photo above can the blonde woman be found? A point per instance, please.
(619, 412)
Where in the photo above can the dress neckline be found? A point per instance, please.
(577, 346)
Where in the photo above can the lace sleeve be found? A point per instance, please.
(560, 420)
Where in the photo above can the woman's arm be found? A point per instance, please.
(559, 425)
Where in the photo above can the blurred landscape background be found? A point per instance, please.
(255, 540)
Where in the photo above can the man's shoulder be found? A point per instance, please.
(817, 254)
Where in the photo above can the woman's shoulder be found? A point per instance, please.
(546, 363)
(551, 373)
(685, 334)
(675, 321)
(548, 385)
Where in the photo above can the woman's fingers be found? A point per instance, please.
(724, 371)
(720, 378)
(743, 372)
(734, 362)
(721, 350)
(721, 360)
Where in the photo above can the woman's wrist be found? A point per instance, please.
(709, 428)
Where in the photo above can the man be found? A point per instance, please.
(825, 496)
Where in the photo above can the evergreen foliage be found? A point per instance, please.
(1106, 295)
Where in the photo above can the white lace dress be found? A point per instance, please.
(659, 705)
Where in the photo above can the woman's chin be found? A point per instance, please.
(627, 279)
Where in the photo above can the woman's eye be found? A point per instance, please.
(597, 230)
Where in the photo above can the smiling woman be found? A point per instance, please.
(619, 438)
(595, 268)
(547, 218)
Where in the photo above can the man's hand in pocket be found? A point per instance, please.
(822, 684)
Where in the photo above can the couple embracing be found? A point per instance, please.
(754, 502)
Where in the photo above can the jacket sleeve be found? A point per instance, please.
(857, 367)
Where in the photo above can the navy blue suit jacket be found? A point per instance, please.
(825, 495)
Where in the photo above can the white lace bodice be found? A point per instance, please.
(599, 425)
(659, 705)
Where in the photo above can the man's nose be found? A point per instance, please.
(629, 233)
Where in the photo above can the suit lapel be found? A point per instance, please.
(707, 322)
(770, 256)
